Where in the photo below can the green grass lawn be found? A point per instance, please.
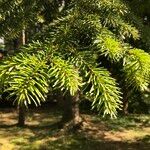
(41, 132)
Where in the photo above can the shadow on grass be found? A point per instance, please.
(145, 139)
(78, 142)
(44, 133)
(46, 138)
(125, 122)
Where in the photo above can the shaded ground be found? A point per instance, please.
(41, 133)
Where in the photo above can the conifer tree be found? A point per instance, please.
(84, 52)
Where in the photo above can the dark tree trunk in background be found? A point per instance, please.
(125, 106)
(71, 116)
(21, 116)
(126, 95)
(22, 109)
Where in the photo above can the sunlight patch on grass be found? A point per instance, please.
(41, 133)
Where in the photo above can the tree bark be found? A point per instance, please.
(71, 116)
(22, 109)
(21, 116)
(23, 37)
(125, 106)
(126, 96)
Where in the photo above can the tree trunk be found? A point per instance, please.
(125, 106)
(23, 37)
(71, 116)
(21, 116)
(126, 96)
(22, 109)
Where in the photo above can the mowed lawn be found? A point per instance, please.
(42, 133)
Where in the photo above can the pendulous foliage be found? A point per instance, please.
(68, 57)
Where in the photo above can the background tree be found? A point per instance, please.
(140, 16)
(20, 20)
